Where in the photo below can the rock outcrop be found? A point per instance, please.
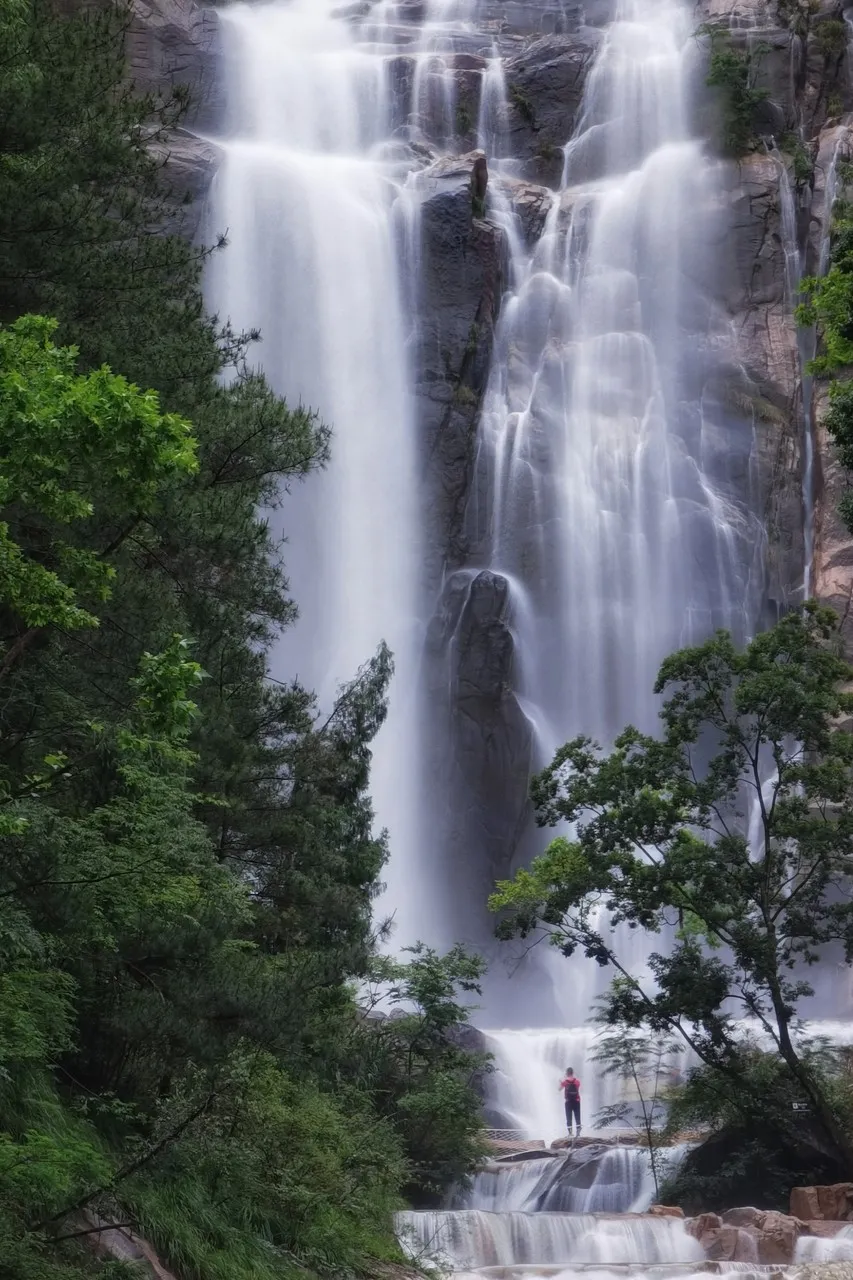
(461, 266)
(122, 1245)
(833, 1203)
(805, 75)
(481, 752)
(749, 1235)
(174, 43)
(545, 83)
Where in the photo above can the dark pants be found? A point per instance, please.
(573, 1112)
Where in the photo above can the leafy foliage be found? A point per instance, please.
(733, 71)
(757, 1146)
(662, 840)
(188, 858)
(427, 1075)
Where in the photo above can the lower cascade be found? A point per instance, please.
(472, 1239)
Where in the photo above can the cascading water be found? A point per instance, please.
(837, 1248)
(527, 1066)
(476, 1239)
(610, 512)
(593, 1179)
(307, 194)
(616, 498)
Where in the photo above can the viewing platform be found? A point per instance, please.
(509, 1144)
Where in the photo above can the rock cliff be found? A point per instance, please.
(773, 206)
(175, 43)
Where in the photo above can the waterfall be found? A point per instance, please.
(610, 497)
(837, 1248)
(611, 513)
(594, 1179)
(308, 196)
(467, 1239)
(528, 1065)
(618, 498)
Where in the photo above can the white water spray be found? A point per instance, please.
(307, 194)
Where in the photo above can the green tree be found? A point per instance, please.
(188, 857)
(84, 200)
(73, 449)
(661, 839)
(756, 1146)
(426, 1073)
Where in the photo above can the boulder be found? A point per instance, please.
(747, 1234)
(665, 1211)
(567, 1182)
(777, 1235)
(533, 1149)
(834, 1203)
(122, 1245)
(742, 1217)
(530, 203)
(190, 164)
(625, 1140)
(702, 1225)
(729, 1244)
(734, 1166)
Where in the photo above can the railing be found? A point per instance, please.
(506, 1135)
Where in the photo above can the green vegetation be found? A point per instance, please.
(466, 395)
(759, 1147)
(188, 860)
(464, 120)
(802, 163)
(661, 840)
(548, 152)
(733, 72)
(829, 305)
(523, 105)
(831, 37)
(797, 15)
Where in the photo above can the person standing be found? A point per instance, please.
(571, 1087)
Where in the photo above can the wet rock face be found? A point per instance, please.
(174, 43)
(480, 754)
(833, 550)
(545, 84)
(764, 378)
(460, 275)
